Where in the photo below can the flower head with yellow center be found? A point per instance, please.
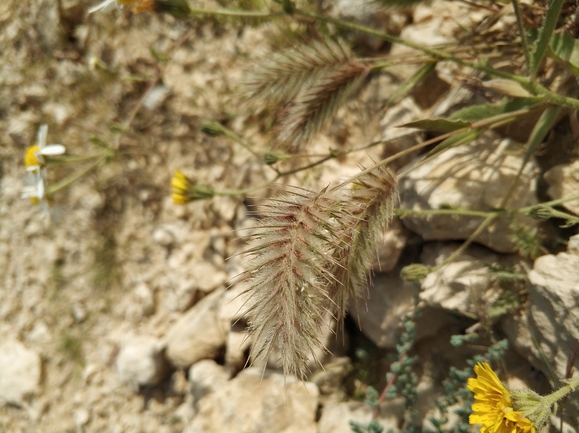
(493, 406)
(35, 156)
(177, 8)
(108, 5)
(185, 190)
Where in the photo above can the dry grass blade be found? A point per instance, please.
(373, 200)
(317, 102)
(281, 76)
(290, 258)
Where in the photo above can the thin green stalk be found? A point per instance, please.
(234, 13)
(545, 33)
(523, 33)
(71, 159)
(475, 125)
(486, 223)
(455, 211)
(540, 131)
(74, 177)
(533, 87)
(551, 203)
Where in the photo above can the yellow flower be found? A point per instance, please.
(493, 407)
(185, 190)
(34, 158)
(107, 5)
(181, 185)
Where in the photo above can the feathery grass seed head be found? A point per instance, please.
(289, 260)
(372, 201)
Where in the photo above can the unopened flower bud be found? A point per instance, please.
(272, 158)
(540, 213)
(213, 129)
(414, 272)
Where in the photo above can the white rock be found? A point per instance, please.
(144, 298)
(199, 334)
(548, 330)
(392, 242)
(81, 418)
(251, 403)
(389, 301)
(20, 370)
(458, 284)
(336, 416)
(207, 276)
(553, 310)
(563, 180)
(140, 362)
(475, 177)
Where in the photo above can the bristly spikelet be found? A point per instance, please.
(279, 77)
(310, 82)
(373, 199)
(318, 102)
(287, 294)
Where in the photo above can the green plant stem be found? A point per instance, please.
(531, 86)
(71, 159)
(74, 177)
(233, 136)
(545, 33)
(455, 211)
(523, 33)
(234, 13)
(550, 203)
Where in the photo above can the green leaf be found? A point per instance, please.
(545, 33)
(416, 78)
(440, 125)
(565, 49)
(458, 139)
(474, 113)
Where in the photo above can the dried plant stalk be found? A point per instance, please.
(291, 255)
(373, 199)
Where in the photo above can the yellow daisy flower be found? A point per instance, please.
(493, 407)
(185, 190)
(34, 158)
(181, 185)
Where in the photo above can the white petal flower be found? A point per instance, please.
(34, 158)
(109, 5)
(35, 190)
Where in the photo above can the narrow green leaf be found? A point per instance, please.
(407, 85)
(475, 113)
(458, 139)
(565, 49)
(440, 125)
(545, 33)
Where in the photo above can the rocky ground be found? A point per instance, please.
(116, 314)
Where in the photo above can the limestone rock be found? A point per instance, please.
(454, 286)
(20, 371)
(390, 299)
(251, 403)
(552, 312)
(336, 416)
(551, 318)
(141, 362)
(198, 334)
(389, 249)
(563, 180)
(475, 177)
